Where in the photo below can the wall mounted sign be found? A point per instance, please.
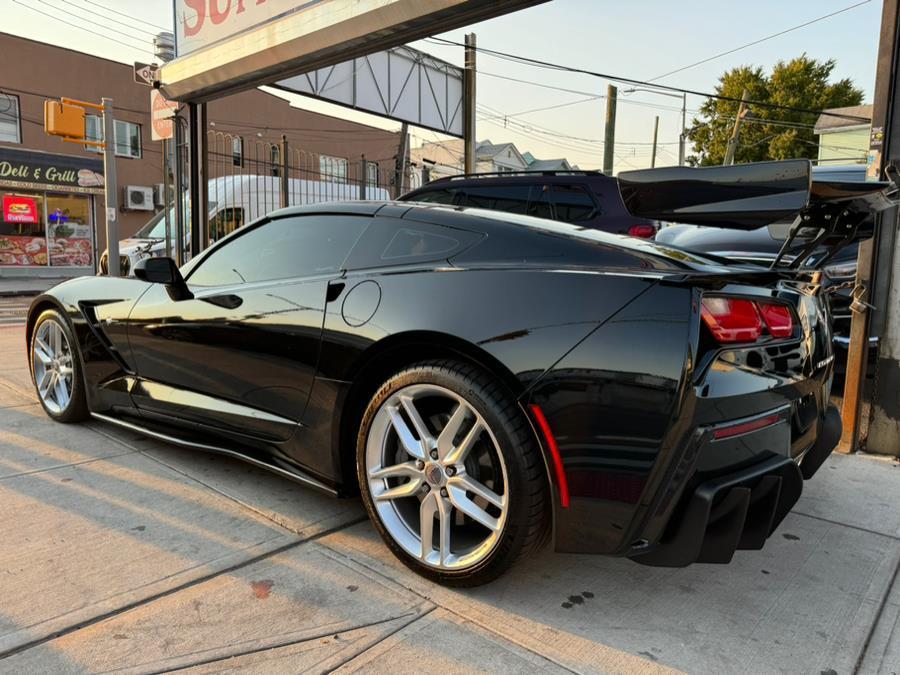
(40, 170)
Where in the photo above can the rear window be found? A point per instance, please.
(572, 203)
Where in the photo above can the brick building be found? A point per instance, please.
(52, 222)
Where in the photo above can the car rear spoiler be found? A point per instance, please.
(748, 196)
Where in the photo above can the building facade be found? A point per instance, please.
(445, 158)
(52, 192)
(844, 140)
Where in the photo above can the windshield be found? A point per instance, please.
(156, 226)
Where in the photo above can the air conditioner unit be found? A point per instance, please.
(159, 195)
(138, 198)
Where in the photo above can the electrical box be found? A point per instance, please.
(64, 119)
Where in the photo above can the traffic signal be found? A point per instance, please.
(64, 119)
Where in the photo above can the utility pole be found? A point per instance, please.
(655, 137)
(400, 163)
(609, 136)
(736, 131)
(111, 187)
(682, 139)
(469, 105)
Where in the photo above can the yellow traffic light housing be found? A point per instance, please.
(64, 119)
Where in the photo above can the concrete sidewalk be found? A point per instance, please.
(122, 553)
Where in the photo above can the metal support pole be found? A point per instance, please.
(285, 192)
(609, 136)
(363, 183)
(682, 139)
(167, 195)
(469, 142)
(179, 191)
(736, 130)
(111, 188)
(194, 166)
(655, 137)
(203, 149)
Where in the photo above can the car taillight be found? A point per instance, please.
(778, 318)
(642, 231)
(742, 320)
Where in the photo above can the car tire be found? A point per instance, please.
(56, 369)
(477, 441)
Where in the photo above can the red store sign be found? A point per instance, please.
(20, 209)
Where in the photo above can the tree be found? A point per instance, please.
(769, 133)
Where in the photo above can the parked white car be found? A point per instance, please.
(233, 201)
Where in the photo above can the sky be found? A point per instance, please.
(639, 39)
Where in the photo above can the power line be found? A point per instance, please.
(129, 16)
(107, 18)
(764, 39)
(81, 18)
(628, 80)
(72, 25)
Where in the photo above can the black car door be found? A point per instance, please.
(240, 356)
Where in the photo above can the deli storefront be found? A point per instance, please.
(49, 205)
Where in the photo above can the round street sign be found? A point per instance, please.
(161, 113)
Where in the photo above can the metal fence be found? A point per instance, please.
(249, 178)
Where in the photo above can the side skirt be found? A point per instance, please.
(297, 476)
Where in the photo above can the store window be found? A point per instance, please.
(128, 136)
(23, 240)
(10, 126)
(69, 230)
(333, 169)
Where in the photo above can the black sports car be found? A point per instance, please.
(486, 381)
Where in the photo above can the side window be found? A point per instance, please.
(509, 198)
(391, 241)
(294, 246)
(540, 203)
(435, 197)
(572, 203)
(417, 242)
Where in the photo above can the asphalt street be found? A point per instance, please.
(127, 554)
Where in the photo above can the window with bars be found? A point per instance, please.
(333, 169)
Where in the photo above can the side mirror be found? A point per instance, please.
(163, 271)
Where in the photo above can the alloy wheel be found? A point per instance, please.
(437, 477)
(51, 358)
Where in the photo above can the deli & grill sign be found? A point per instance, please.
(40, 171)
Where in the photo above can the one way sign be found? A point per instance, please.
(145, 73)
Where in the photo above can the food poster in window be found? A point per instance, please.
(70, 231)
(23, 241)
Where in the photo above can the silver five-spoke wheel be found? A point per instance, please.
(437, 477)
(52, 364)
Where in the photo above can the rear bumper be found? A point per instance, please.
(739, 511)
